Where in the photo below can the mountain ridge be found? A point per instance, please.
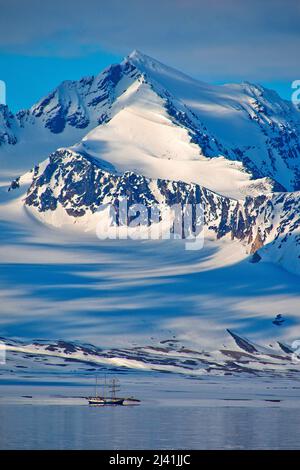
(70, 188)
(242, 123)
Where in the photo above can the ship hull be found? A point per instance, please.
(105, 402)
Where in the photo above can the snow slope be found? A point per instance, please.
(71, 189)
(142, 137)
(241, 357)
(117, 293)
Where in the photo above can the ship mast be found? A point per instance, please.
(96, 387)
(104, 387)
(114, 388)
(113, 391)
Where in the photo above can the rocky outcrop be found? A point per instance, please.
(79, 185)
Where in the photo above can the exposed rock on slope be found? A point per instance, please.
(73, 187)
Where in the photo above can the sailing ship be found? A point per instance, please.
(110, 399)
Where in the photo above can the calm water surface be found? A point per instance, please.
(148, 427)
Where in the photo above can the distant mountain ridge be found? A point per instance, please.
(241, 357)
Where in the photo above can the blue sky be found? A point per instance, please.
(229, 41)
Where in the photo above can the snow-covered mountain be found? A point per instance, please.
(227, 138)
(144, 131)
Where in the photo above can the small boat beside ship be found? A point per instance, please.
(111, 399)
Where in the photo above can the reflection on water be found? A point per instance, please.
(148, 427)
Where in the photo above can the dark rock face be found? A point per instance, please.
(77, 104)
(83, 186)
(7, 125)
(80, 103)
(80, 185)
(57, 123)
(255, 258)
(14, 184)
(243, 343)
(257, 243)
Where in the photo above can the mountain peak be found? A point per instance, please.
(142, 61)
(156, 70)
(136, 54)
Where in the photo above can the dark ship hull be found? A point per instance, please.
(99, 401)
